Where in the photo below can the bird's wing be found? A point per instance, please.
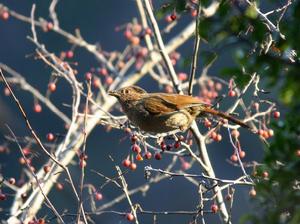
(157, 105)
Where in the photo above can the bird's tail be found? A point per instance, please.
(226, 116)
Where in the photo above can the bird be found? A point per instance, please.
(164, 112)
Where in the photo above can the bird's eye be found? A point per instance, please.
(125, 91)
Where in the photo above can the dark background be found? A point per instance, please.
(97, 21)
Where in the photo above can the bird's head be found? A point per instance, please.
(128, 93)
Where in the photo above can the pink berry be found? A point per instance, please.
(276, 114)
(232, 93)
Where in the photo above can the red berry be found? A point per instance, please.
(128, 34)
(276, 114)
(207, 123)
(173, 16)
(148, 31)
(232, 93)
(98, 196)
(194, 13)
(6, 91)
(109, 80)
(139, 157)
(50, 137)
(129, 217)
(49, 26)
(235, 133)
(70, 54)
(158, 156)
(126, 163)
(168, 19)
(213, 135)
(261, 132)
(12, 181)
(252, 192)
(59, 186)
(214, 208)
(228, 197)
(37, 108)
(52, 87)
(135, 40)
(218, 138)
(135, 148)
(242, 154)
(234, 158)
(218, 86)
(41, 221)
(133, 166)
(47, 168)
(185, 165)
(265, 174)
(134, 138)
(5, 15)
(2, 197)
(88, 76)
(298, 152)
(182, 76)
(26, 151)
(177, 144)
(148, 155)
(163, 146)
(103, 71)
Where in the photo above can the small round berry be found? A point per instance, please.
(168, 19)
(214, 208)
(163, 146)
(52, 87)
(276, 114)
(261, 132)
(69, 54)
(298, 152)
(265, 174)
(26, 151)
(173, 16)
(98, 196)
(207, 123)
(148, 31)
(2, 197)
(139, 157)
(177, 144)
(158, 156)
(59, 186)
(242, 154)
(185, 165)
(134, 138)
(235, 133)
(49, 26)
(234, 158)
(128, 34)
(218, 138)
(194, 12)
(6, 91)
(133, 166)
(129, 217)
(228, 197)
(50, 137)
(126, 163)
(37, 108)
(182, 76)
(41, 221)
(103, 71)
(252, 192)
(213, 135)
(5, 15)
(109, 80)
(22, 161)
(47, 168)
(232, 93)
(88, 76)
(148, 155)
(12, 181)
(135, 40)
(135, 148)
(271, 132)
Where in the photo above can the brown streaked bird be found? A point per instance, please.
(164, 112)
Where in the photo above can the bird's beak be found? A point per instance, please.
(113, 93)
